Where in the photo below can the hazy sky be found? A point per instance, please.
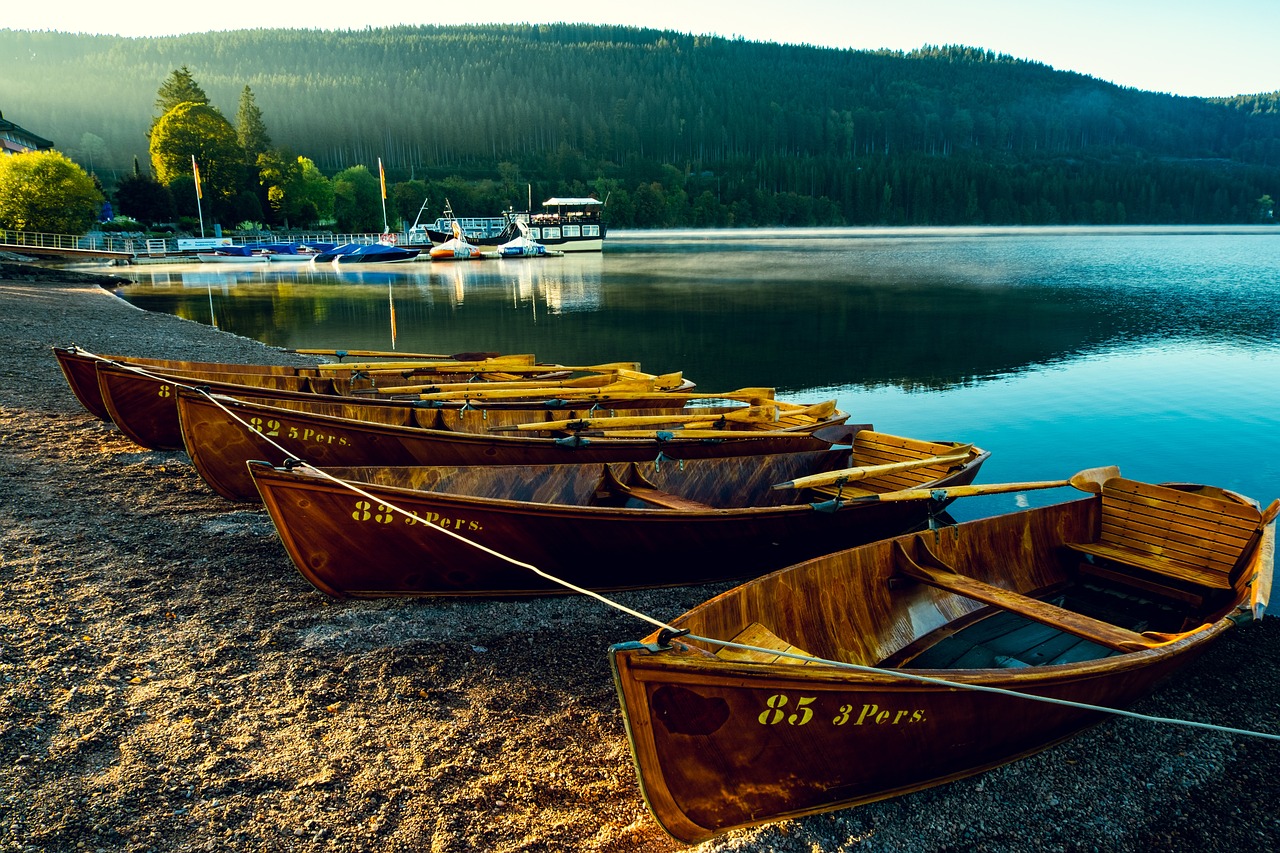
(1187, 47)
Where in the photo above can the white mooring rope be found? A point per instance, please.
(904, 675)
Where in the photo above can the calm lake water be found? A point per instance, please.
(1157, 350)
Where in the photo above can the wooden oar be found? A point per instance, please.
(821, 411)
(748, 413)
(368, 353)
(499, 363)
(629, 369)
(598, 381)
(659, 386)
(852, 475)
(1088, 480)
(674, 434)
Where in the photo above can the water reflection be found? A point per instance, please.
(906, 309)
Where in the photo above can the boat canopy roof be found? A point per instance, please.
(568, 201)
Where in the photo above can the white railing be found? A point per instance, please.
(139, 245)
(86, 242)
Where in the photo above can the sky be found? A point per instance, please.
(1202, 48)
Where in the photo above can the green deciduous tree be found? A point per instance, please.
(357, 200)
(314, 199)
(45, 191)
(198, 130)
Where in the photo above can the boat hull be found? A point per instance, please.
(738, 749)
(349, 543)
(81, 372)
(721, 743)
(220, 445)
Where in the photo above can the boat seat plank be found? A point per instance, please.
(938, 574)
(665, 500)
(756, 634)
(1186, 537)
(1144, 584)
(845, 491)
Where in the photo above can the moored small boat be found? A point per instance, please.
(376, 253)
(462, 432)
(610, 526)
(141, 402)
(80, 368)
(455, 248)
(232, 255)
(910, 662)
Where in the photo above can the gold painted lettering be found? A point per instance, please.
(773, 713)
(867, 711)
(362, 511)
(806, 713)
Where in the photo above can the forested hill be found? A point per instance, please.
(680, 129)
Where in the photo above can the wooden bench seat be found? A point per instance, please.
(614, 492)
(1197, 541)
(758, 635)
(925, 567)
(659, 498)
(872, 448)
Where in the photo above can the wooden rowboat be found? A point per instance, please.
(142, 403)
(1092, 601)
(599, 526)
(219, 443)
(80, 369)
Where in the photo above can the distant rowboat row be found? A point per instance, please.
(876, 647)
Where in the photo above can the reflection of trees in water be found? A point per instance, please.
(788, 320)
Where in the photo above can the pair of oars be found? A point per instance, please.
(599, 376)
(691, 426)
(501, 363)
(666, 384)
(619, 391)
(1088, 480)
(766, 413)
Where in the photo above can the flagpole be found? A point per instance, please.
(195, 173)
(382, 176)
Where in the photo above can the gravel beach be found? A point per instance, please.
(168, 682)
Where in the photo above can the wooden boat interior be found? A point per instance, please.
(698, 484)
(1134, 568)
(453, 417)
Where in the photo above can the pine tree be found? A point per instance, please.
(180, 87)
(250, 128)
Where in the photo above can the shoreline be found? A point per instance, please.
(172, 683)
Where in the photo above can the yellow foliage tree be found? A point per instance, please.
(45, 191)
(199, 130)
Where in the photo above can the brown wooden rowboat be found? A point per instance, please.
(1092, 601)
(609, 526)
(80, 369)
(323, 434)
(143, 404)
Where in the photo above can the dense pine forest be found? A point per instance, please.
(676, 129)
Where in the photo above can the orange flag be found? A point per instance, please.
(195, 170)
(383, 177)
